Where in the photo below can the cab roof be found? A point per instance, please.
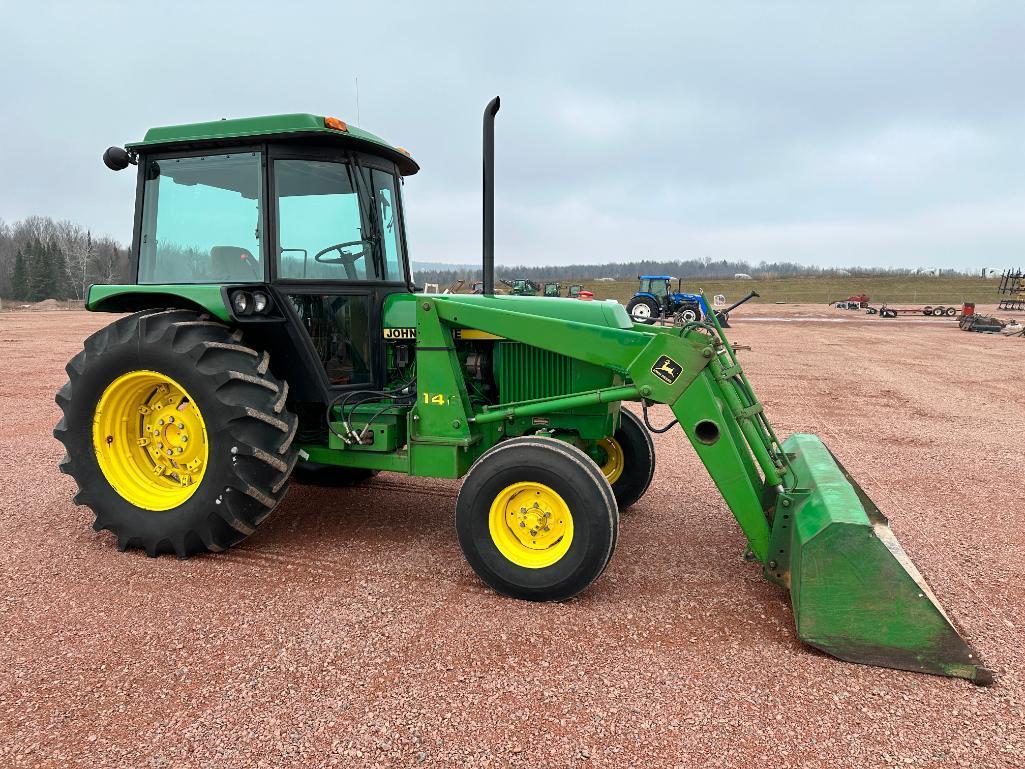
(292, 126)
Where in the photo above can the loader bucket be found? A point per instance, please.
(855, 593)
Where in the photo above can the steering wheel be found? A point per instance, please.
(344, 257)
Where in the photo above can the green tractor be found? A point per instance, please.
(522, 287)
(552, 290)
(272, 333)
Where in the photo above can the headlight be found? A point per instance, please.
(261, 302)
(242, 301)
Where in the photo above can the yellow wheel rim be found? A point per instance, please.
(612, 468)
(531, 525)
(150, 440)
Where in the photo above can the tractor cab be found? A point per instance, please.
(552, 289)
(295, 218)
(657, 286)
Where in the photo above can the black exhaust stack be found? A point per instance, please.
(490, 111)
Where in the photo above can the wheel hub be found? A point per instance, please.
(614, 462)
(150, 440)
(531, 524)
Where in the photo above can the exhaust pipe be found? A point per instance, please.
(488, 289)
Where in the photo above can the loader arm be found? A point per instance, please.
(855, 593)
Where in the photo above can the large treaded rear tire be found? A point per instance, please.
(648, 304)
(248, 429)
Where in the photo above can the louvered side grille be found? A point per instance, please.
(523, 372)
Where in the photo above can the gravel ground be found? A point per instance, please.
(349, 631)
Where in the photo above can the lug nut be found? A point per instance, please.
(170, 419)
(523, 525)
(185, 439)
(160, 421)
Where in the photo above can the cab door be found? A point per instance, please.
(340, 251)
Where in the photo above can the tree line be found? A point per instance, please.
(45, 259)
(688, 269)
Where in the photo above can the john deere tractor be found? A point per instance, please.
(272, 333)
(522, 287)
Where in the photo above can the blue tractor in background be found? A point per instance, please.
(656, 299)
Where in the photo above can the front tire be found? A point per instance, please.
(176, 433)
(629, 460)
(536, 519)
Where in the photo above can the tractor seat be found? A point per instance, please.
(233, 263)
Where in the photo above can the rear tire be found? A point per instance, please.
(238, 413)
(642, 309)
(636, 454)
(536, 482)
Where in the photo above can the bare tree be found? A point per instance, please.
(76, 244)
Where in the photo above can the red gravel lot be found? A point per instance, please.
(349, 631)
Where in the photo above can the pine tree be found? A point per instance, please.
(42, 275)
(19, 279)
(59, 266)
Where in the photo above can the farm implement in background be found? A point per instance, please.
(934, 311)
(1012, 290)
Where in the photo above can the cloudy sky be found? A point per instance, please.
(886, 133)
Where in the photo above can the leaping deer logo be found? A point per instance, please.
(667, 369)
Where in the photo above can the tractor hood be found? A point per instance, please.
(400, 309)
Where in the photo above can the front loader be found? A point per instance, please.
(274, 334)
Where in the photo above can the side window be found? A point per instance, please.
(321, 230)
(201, 220)
(386, 193)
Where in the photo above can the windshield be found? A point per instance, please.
(338, 221)
(656, 286)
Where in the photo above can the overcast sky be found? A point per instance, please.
(830, 133)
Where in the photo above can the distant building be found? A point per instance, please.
(742, 276)
(991, 272)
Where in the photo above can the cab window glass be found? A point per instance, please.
(323, 232)
(387, 197)
(201, 220)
